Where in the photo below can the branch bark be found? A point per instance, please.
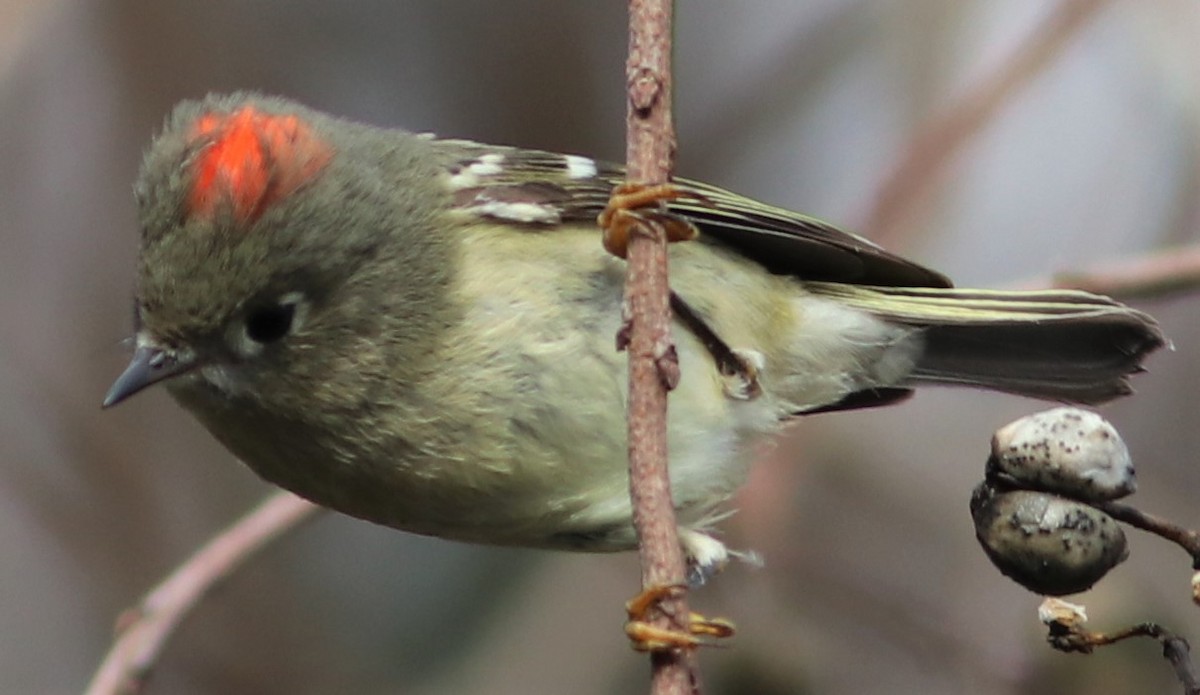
(650, 154)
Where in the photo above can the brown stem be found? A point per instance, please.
(934, 144)
(650, 154)
(1184, 538)
(142, 631)
(1073, 638)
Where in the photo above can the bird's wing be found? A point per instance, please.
(543, 188)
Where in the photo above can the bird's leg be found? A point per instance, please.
(738, 368)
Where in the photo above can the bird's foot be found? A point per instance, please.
(635, 204)
(696, 631)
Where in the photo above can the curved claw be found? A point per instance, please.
(629, 207)
(644, 636)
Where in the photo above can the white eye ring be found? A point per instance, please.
(267, 324)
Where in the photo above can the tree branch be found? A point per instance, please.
(143, 631)
(650, 154)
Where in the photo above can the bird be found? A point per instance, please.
(419, 331)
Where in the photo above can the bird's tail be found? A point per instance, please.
(1063, 345)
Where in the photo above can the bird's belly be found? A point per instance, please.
(556, 475)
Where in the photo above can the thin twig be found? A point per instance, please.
(142, 632)
(1069, 637)
(934, 145)
(650, 154)
(1184, 538)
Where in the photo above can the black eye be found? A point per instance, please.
(270, 323)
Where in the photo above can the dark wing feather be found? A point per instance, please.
(784, 242)
(789, 243)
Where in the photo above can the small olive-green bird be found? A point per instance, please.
(420, 332)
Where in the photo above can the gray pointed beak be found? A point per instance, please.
(149, 365)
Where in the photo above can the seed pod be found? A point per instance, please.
(1048, 544)
(1066, 450)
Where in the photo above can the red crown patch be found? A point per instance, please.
(252, 160)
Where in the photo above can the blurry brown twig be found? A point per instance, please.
(142, 631)
(935, 143)
(1152, 275)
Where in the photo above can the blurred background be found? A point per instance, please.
(873, 580)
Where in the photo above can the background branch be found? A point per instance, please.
(1151, 275)
(143, 630)
(932, 147)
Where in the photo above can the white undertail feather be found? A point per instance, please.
(837, 350)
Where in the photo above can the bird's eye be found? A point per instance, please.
(268, 324)
(266, 321)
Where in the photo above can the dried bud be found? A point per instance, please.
(1057, 611)
(1048, 544)
(1066, 450)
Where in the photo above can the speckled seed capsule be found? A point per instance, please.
(1066, 450)
(1048, 544)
